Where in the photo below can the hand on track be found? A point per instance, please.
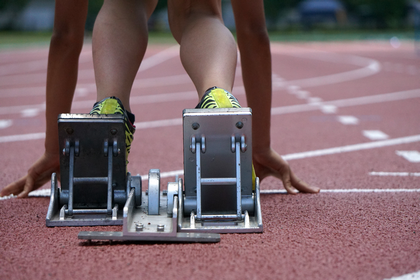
(39, 174)
(269, 163)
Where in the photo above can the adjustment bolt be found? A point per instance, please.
(195, 126)
(239, 125)
(69, 130)
(139, 227)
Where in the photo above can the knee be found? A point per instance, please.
(253, 33)
(183, 13)
(67, 40)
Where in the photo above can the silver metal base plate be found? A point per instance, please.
(179, 237)
(139, 226)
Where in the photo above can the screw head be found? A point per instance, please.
(69, 130)
(113, 131)
(139, 227)
(239, 124)
(195, 126)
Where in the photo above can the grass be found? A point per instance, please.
(340, 35)
(13, 40)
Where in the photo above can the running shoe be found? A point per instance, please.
(219, 98)
(112, 105)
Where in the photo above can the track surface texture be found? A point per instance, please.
(346, 115)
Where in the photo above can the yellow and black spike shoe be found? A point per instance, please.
(112, 105)
(219, 98)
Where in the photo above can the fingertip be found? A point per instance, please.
(291, 190)
(22, 195)
(3, 194)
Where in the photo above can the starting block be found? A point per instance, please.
(219, 194)
(94, 182)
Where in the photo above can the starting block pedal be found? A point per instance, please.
(219, 192)
(94, 181)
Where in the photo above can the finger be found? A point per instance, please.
(286, 180)
(29, 184)
(301, 185)
(14, 188)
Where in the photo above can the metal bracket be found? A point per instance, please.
(139, 226)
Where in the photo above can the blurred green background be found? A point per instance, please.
(31, 21)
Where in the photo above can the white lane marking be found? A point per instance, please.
(396, 174)
(159, 123)
(410, 276)
(379, 98)
(329, 109)
(22, 137)
(292, 89)
(375, 134)
(411, 156)
(28, 113)
(314, 100)
(369, 66)
(281, 191)
(160, 57)
(18, 78)
(9, 196)
(18, 68)
(5, 123)
(355, 147)
(302, 94)
(348, 120)
(47, 192)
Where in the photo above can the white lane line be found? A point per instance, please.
(28, 113)
(188, 95)
(18, 68)
(281, 191)
(159, 123)
(395, 174)
(330, 151)
(5, 123)
(159, 58)
(369, 66)
(348, 120)
(411, 156)
(372, 99)
(22, 137)
(355, 147)
(410, 276)
(47, 192)
(329, 109)
(19, 79)
(375, 134)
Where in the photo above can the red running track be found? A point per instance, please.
(346, 117)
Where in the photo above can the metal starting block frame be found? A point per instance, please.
(219, 192)
(94, 181)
